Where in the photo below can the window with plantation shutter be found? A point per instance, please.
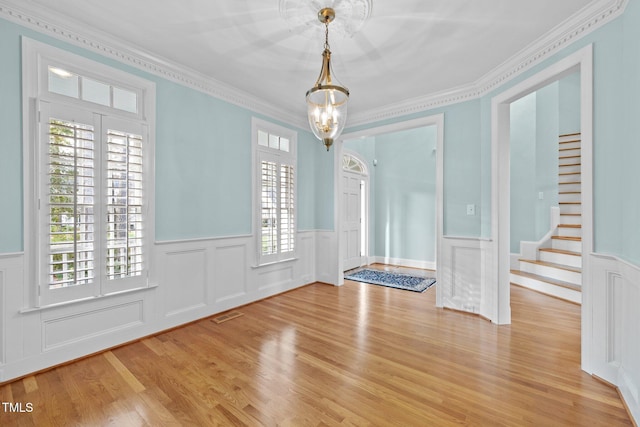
(88, 206)
(275, 189)
(70, 203)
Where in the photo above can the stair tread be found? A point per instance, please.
(570, 225)
(571, 214)
(570, 182)
(547, 280)
(570, 164)
(552, 265)
(570, 203)
(575, 156)
(573, 238)
(564, 135)
(570, 192)
(569, 173)
(560, 251)
(568, 148)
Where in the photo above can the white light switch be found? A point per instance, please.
(471, 209)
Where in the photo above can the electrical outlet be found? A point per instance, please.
(471, 209)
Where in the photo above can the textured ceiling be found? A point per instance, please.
(406, 49)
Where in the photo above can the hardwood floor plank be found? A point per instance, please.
(356, 355)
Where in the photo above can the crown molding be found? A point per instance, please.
(54, 26)
(574, 28)
(577, 26)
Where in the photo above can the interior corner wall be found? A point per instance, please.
(523, 170)
(546, 160)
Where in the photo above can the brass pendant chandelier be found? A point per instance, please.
(327, 99)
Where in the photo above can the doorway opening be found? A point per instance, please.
(582, 62)
(403, 225)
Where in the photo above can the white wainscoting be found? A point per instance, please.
(327, 258)
(461, 273)
(616, 326)
(190, 280)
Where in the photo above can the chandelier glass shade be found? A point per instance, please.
(327, 99)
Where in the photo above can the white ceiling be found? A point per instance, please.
(407, 48)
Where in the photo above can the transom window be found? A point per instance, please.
(275, 184)
(353, 164)
(64, 82)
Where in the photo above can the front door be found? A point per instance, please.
(352, 219)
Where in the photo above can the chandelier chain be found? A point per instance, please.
(326, 34)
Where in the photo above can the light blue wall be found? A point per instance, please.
(523, 171)
(10, 141)
(570, 104)
(203, 157)
(546, 160)
(403, 187)
(628, 196)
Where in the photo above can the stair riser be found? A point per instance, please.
(547, 288)
(570, 197)
(575, 144)
(569, 232)
(564, 259)
(571, 219)
(568, 161)
(570, 167)
(569, 187)
(569, 151)
(566, 245)
(564, 208)
(556, 273)
(564, 139)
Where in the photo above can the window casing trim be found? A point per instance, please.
(280, 157)
(36, 56)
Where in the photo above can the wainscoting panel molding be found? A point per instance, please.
(229, 272)
(461, 278)
(275, 277)
(185, 280)
(327, 257)
(616, 349)
(59, 331)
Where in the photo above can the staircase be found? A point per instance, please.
(557, 269)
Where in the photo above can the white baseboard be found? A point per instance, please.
(410, 263)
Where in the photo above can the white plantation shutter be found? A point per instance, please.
(287, 209)
(269, 207)
(92, 204)
(70, 203)
(125, 203)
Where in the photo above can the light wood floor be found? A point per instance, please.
(322, 356)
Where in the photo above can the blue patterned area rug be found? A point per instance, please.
(392, 280)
